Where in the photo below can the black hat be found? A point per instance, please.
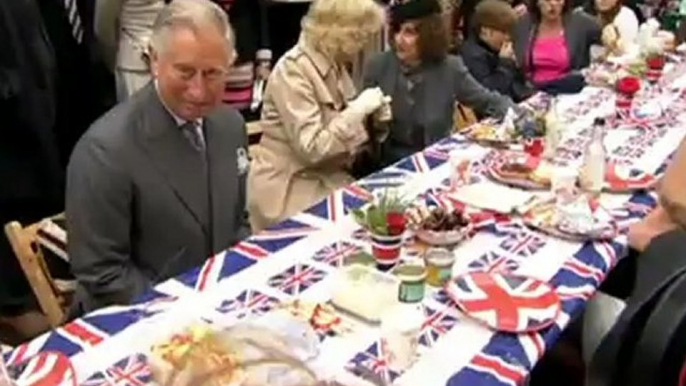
(414, 9)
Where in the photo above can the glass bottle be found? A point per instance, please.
(553, 130)
(592, 175)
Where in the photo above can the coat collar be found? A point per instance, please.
(323, 64)
(479, 42)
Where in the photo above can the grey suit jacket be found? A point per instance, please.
(138, 205)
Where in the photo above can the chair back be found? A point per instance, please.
(463, 117)
(25, 244)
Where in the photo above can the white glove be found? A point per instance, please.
(367, 102)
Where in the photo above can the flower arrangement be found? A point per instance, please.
(384, 216)
(648, 41)
(628, 85)
(655, 62)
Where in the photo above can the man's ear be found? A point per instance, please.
(483, 32)
(154, 62)
(232, 57)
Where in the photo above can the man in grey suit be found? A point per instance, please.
(157, 184)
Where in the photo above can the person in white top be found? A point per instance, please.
(123, 29)
(619, 22)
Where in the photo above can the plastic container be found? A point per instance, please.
(365, 292)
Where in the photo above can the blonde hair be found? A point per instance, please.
(337, 27)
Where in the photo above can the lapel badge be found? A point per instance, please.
(242, 160)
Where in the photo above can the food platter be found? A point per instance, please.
(546, 216)
(439, 227)
(489, 134)
(519, 169)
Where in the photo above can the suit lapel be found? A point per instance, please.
(182, 167)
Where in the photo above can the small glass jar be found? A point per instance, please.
(412, 282)
(439, 266)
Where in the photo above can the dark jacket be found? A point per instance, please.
(248, 19)
(580, 31)
(466, 12)
(423, 100)
(494, 72)
(29, 159)
(30, 174)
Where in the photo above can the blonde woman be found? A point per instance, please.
(312, 116)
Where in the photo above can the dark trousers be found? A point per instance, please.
(621, 281)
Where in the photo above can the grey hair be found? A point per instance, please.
(191, 14)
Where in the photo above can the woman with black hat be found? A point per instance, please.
(424, 81)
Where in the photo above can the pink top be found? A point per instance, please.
(550, 58)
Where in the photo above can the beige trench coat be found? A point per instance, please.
(309, 137)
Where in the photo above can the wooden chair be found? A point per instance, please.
(52, 297)
(463, 117)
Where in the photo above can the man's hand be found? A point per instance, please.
(262, 70)
(610, 37)
(506, 51)
(653, 225)
(521, 10)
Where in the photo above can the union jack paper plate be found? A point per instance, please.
(48, 368)
(498, 162)
(505, 302)
(627, 181)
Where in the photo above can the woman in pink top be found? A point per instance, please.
(552, 44)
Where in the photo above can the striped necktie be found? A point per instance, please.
(74, 19)
(192, 130)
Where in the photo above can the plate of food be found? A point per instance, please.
(580, 219)
(621, 179)
(519, 169)
(264, 350)
(439, 227)
(489, 134)
(198, 349)
(604, 74)
(491, 196)
(321, 316)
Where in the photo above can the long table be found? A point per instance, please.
(297, 259)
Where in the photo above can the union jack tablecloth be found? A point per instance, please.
(296, 259)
